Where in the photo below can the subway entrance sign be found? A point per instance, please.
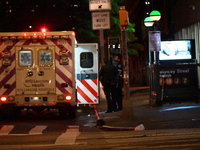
(178, 82)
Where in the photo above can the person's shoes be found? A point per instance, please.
(119, 109)
(108, 111)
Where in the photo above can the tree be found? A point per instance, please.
(84, 23)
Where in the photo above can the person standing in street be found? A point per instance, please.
(119, 66)
(108, 77)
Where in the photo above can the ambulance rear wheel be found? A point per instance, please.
(62, 112)
(67, 112)
(38, 109)
(9, 112)
(72, 113)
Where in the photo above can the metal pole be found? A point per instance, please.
(125, 63)
(101, 41)
(127, 104)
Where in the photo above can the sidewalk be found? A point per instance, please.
(115, 119)
(184, 115)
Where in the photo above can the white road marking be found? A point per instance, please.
(37, 130)
(5, 130)
(69, 137)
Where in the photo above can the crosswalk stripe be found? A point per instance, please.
(37, 130)
(69, 137)
(5, 130)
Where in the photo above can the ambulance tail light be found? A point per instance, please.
(3, 99)
(11, 98)
(68, 97)
(64, 98)
(6, 99)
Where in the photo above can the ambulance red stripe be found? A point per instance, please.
(12, 87)
(63, 76)
(7, 77)
(65, 91)
(83, 94)
(91, 89)
(68, 67)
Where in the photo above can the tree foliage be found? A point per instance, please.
(59, 16)
(133, 46)
(84, 22)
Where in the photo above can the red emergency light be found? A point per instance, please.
(43, 30)
(73, 33)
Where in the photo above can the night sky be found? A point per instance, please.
(19, 15)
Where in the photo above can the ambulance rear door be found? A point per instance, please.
(35, 70)
(86, 72)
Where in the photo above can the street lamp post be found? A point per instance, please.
(148, 22)
(155, 16)
(154, 45)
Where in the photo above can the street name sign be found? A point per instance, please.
(100, 20)
(96, 5)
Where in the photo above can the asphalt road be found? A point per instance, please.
(172, 126)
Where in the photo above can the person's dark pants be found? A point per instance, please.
(119, 96)
(119, 93)
(110, 93)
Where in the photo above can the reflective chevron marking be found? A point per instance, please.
(87, 91)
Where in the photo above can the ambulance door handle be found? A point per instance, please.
(86, 75)
(81, 75)
(41, 73)
(30, 73)
(87, 71)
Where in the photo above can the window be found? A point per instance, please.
(86, 60)
(45, 57)
(25, 58)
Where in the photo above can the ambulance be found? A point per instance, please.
(47, 70)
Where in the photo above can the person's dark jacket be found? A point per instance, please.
(108, 75)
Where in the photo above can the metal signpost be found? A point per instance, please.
(100, 21)
(155, 47)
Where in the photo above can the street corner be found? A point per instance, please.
(115, 122)
(121, 128)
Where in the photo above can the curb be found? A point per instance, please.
(111, 128)
(100, 123)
